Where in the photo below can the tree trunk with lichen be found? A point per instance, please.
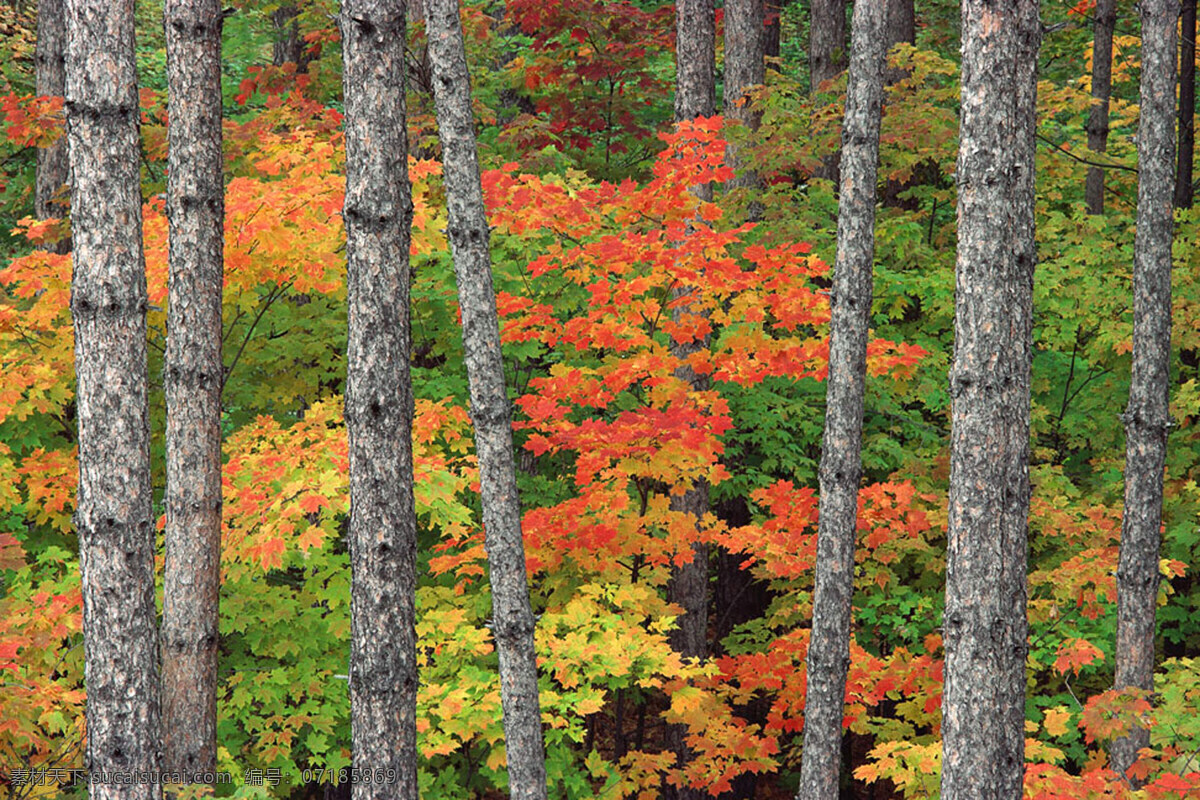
(379, 400)
(114, 516)
(192, 381)
(985, 628)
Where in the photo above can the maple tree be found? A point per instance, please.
(589, 275)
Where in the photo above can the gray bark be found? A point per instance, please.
(379, 399)
(513, 621)
(1147, 418)
(1097, 124)
(192, 382)
(50, 189)
(695, 96)
(841, 451)
(901, 28)
(826, 41)
(113, 517)
(745, 68)
(1187, 107)
(985, 626)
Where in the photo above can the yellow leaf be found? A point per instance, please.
(1056, 720)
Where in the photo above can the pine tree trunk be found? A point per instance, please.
(113, 514)
(379, 399)
(513, 621)
(826, 41)
(192, 381)
(745, 68)
(50, 189)
(841, 452)
(1097, 124)
(1187, 107)
(695, 96)
(1147, 418)
(985, 625)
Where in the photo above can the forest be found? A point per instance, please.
(599, 399)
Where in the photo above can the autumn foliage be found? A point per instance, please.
(596, 241)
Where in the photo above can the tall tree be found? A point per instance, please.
(1097, 124)
(287, 47)
(513, 620)
(379, 399)
(114, 516)
(901, 29)
(774, 35)
(192, 381)
(745, 68)
(985, 625)
(1187, 106)
(826, 41)
(51, 178)
(841, 450)
(1147, 418)
(695, 96)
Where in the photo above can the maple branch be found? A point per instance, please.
(272, 296)
(1082, 160)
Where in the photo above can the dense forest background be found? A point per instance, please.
(587, 183)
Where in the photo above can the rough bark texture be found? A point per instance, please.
(1187, 107)
(695, 96)
(113, 514)
(379, 400)
(826, 41)
(50, 192)
(1097, 124)
(985, 626)
(1147, 418)
(745, 68)
(841, 451)
(513, 620)
(192, 381)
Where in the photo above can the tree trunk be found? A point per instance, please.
(379, 399)
(695, 96)
(1097, 124)
(826, 42)
(50, 191)
(1147, 418)
(901, 29)
(513, 621)
(841, 452)
(1187, 107)
(773, 39)
(192, 381)
(745, 68)
(985, 626)
(288, 47)
(113, 514)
